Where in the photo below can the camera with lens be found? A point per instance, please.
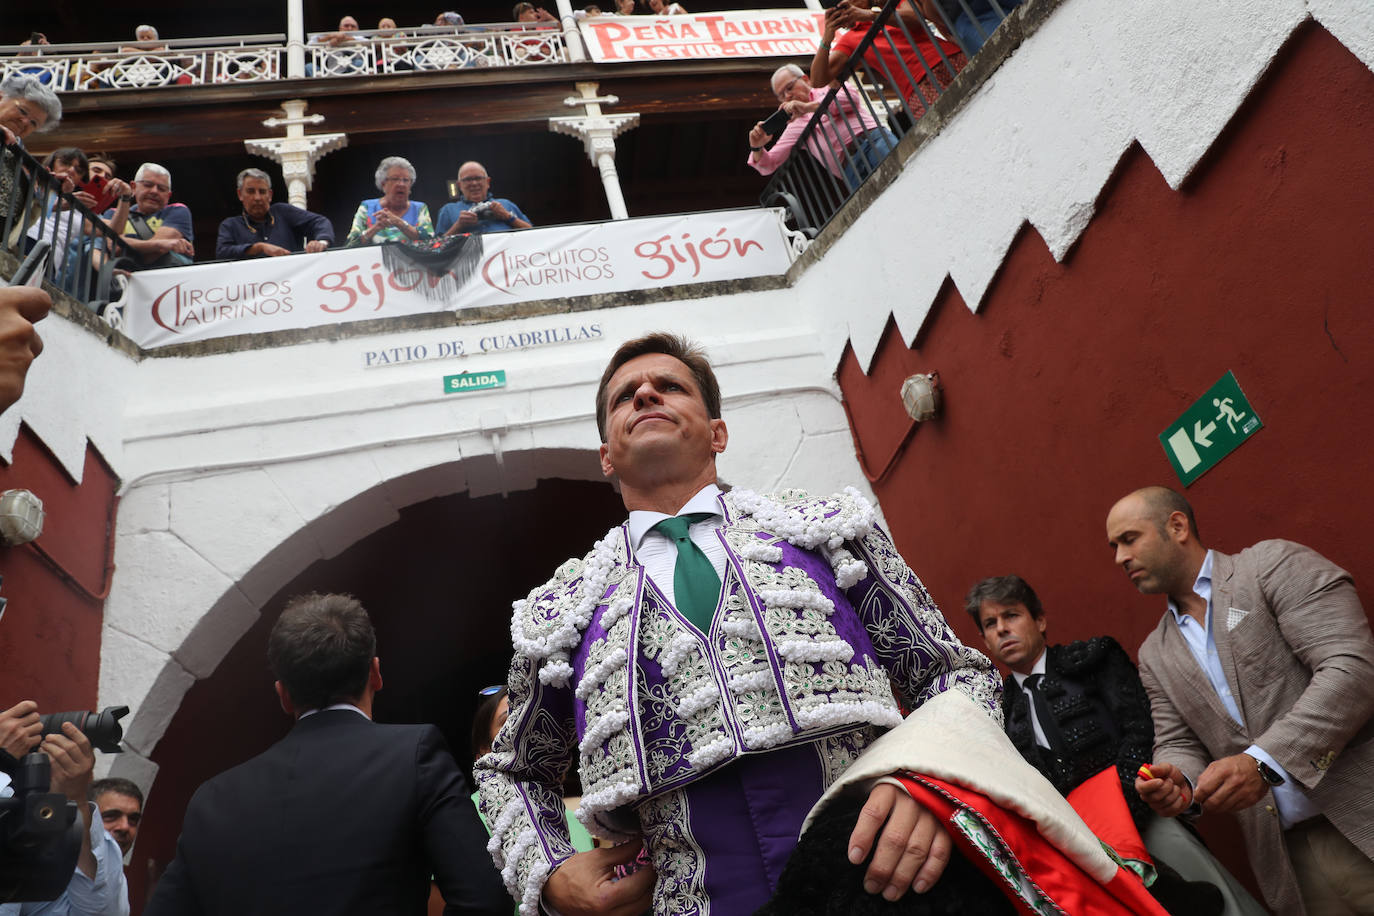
(102, 728)
(40, 830)
(484, 210)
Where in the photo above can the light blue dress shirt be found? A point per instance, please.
(107, 894)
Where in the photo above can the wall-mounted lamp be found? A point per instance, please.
(21, 517)
(921, 396)
(452, 188)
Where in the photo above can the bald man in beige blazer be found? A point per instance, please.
(1261, 684)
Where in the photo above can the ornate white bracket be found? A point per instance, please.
(296, 152)
(598, 131)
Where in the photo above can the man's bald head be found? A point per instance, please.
(1162, 502)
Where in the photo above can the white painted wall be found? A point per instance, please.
(241, 469)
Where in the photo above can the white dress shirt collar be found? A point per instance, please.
(1037, 668)
(643, 520)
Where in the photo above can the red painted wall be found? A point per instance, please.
(50, 633)
(1057, 390)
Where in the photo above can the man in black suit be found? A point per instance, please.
(341, 816)
(1071, 710)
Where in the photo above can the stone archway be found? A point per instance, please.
(438, 583)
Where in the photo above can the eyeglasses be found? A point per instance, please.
(473, 178)
(401, 179)
(491, 691)
(785, 91)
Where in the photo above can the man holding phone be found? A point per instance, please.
(848, 141)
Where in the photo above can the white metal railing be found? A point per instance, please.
(140, 65)
(257, 58)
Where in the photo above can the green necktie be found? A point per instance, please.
(696, 587)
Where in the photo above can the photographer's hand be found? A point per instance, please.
(72, 763)
(20, 728)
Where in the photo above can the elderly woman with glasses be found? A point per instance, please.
(393, 217)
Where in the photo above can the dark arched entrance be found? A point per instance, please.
(438, 584)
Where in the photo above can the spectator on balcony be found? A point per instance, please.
(904, 57)
(626, 7)
(476, 210)
(393, 217)
(268, 230)
(532, 50)
(972, 21)
(101, 164)
(158, 233)
(52, 218)
(659, 8)
(848, 140)
(346, 34)
(35, 43)
(26, 106)
(340, 51)
(449, 18)
(528, 12)
(146, 36)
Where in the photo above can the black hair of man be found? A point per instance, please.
(1164, 502)
(117, 785)
(321, 649)
(1002, 590)
(481, 722)
(674, 345)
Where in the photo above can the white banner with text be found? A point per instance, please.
(201, 302)
(703, 36)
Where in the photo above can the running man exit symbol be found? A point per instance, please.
(1210, 430)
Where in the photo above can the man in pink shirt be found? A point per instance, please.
(847, 141)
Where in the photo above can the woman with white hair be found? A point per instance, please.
(393, 217)
(26, 107)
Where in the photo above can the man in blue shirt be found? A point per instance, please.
(477, 210)
(97, 886)
(268, 230)
(157, 232)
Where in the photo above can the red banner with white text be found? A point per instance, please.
(703, 36)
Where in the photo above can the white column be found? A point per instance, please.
(295, 40)
(610, 178)
(572, 35)
(598, 131)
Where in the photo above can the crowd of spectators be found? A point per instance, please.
(910, 57)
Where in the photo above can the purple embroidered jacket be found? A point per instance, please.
(713, 746)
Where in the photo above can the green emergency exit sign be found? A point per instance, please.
(474, 381)
(1216, 424)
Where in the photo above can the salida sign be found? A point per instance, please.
(273, 294)
(755, 33)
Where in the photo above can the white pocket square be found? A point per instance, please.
(1233, 618)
